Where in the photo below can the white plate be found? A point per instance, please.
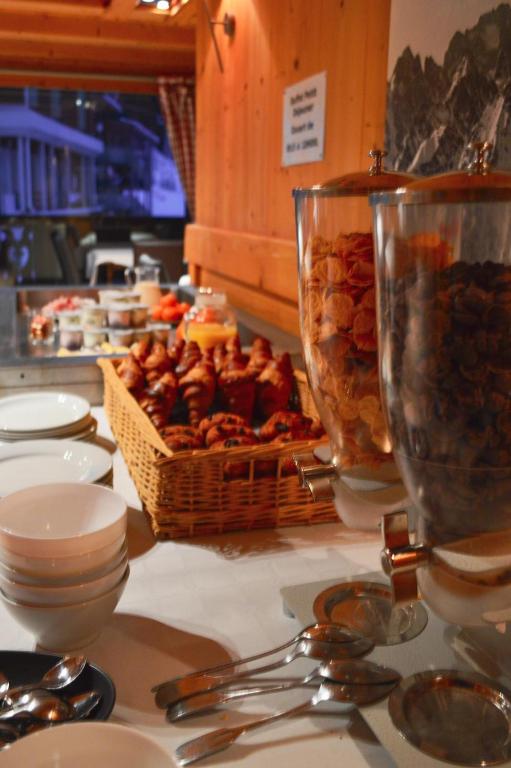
(82, 431)
(47, 434)
(82, 745)
(36, 462)
(32, 412)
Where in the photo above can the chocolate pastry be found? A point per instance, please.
(220, 418)
(283, 422)
(224, 431)
(234, 470)
(182, 438)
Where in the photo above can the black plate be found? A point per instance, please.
(22, 667)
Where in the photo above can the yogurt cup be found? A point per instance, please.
(94, 337)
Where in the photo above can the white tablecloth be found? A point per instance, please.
(198, 602)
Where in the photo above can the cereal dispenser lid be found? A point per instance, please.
(360, 183)
(476, 183)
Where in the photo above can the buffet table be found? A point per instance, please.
(199, 602)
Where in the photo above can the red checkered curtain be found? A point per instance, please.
(177, 99)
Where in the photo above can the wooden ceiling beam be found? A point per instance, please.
(51, 25)
(72, 55)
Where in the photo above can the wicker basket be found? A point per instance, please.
(186, 494)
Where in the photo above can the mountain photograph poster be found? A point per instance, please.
(449, 83)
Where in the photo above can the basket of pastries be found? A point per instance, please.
(209, 436)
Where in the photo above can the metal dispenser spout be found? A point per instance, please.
(400, 558)
(315, 476)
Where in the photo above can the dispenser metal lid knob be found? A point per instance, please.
(377, 156)
(480, 164)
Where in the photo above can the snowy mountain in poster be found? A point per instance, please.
(435, 110)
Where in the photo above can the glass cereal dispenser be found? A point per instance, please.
(338, 328)
(443, 252)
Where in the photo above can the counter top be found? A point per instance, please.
(199, 602)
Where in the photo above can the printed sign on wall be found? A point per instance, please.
(303, 128)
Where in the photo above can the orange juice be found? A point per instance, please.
(208, 334)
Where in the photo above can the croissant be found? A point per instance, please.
(157, 359)
(131, 374)
(175, 351)
(275, 385)
(260, 355)
(233, 344)
(198, 389)
(154, 408)
(140, 350)
(218, 355)
(190, 356)
(166, 389)
(237, 391)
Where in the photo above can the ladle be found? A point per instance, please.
(326, 633)
(172, 692)
(216, 741)
(350, 672)
(61, 674)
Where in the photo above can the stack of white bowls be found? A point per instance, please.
(63, 560)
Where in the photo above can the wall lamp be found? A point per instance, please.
(174, 6)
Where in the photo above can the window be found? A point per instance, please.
(78, 153)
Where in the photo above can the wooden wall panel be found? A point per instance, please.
(241, 187)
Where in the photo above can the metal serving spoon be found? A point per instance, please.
(43, 705)
(350, 672)
(174, 691)
(326, 633)
(216, 741)
(61, 674)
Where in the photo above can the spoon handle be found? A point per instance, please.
(203, 702)
(171, 693)
(226, 665)
(216, 741)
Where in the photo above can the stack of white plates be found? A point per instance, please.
(34, 462)
(42, 415)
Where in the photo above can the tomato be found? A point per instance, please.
(169, 300)
(157, 312)
(167, 314)
(184, 307)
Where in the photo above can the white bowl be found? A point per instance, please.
(45, 595)
(55, 568)
(82, 745)
(66, 627)
(61, 519)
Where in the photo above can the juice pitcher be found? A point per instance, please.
(145, 279)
